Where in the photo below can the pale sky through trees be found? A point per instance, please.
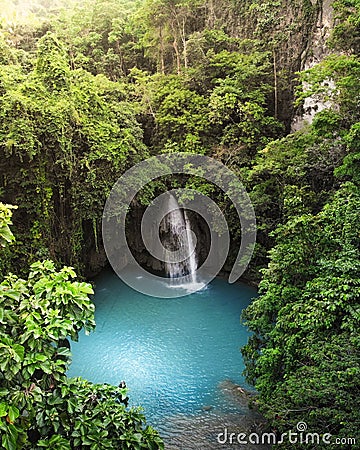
(17, 11)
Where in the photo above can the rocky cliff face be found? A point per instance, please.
(295, 31)
(317, 49)
(142, 255)
(315, 52)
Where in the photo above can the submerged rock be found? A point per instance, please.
(212, 429)
(207, 408)
(237, 393)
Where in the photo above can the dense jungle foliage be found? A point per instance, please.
(87, 89)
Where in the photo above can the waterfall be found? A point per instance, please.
(178, 237)
(192, 260)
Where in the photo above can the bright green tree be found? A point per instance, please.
(40, 406)
(304, 354)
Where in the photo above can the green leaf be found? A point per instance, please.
(19, 350)
(9, 439)
(13, 413)
(3, 409)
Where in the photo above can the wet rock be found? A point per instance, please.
(207, 408)
(237, 393)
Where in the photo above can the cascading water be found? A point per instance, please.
(178, 237)
(192, 262)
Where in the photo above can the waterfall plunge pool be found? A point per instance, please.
(178, 356)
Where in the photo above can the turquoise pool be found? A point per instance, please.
(178, 356)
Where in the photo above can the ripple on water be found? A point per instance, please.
(212, 430)
(174, 355)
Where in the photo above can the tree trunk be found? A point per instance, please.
(275, 88)
(184, 42)
(178, 61)
(162, 60)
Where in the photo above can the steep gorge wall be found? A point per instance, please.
(294, 31)
(290, 30)
(314, 53)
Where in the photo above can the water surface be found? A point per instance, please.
(178, 356)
